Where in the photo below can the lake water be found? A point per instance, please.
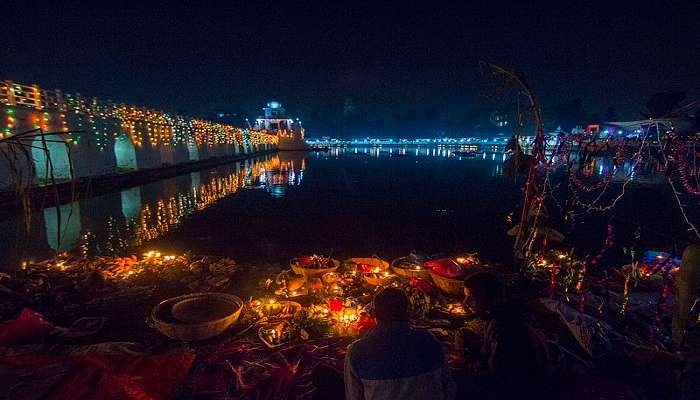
(345, 202)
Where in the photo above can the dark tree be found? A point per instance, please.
(611, 114)
(663, 103)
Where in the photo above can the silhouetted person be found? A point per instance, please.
(395, 361)
(511, 360)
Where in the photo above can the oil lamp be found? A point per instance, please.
(456, 309)
(348, 315)
(271, 307)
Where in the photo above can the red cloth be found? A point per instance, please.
(364, 267)
(104, 376)
(446, 267)
(29, 326)
(246, 370)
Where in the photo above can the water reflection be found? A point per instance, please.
(65, 224)
(648, 172)
(150, 220)
(288, 171)
(131, 202)
(117, 223)
(416, 151)
(601, 167)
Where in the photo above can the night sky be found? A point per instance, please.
(390, 59)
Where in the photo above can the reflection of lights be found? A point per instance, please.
(277, 191)
(157, 218)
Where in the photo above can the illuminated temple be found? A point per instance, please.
(289, 131)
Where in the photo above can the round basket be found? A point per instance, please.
(374, 262)
(407, 272)
(313, 272)
(374, 280)
(450, 286)
(196, 316)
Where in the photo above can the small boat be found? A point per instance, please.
(320, 148)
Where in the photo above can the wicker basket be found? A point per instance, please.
(407, 272)
(374, 262)
(313, 272)
(374, 280)
(450, 286)
(163, 320)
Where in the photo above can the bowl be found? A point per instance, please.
(196, 316)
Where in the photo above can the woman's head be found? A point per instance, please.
(390, 304)
(483, 292)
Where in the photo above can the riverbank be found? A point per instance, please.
(105, 302)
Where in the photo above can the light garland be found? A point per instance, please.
(160, 128)
(9, 122)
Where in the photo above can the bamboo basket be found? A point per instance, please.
(199, 327)
(374, 262)
(313, 272)
(373, 280)
(423, 273)
(450, 286)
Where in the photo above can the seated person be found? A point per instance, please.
(512, 359)
(395, 361)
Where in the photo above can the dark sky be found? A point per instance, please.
(391, 58)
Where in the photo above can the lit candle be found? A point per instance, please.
(272, 307)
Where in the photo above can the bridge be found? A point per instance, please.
(488, 144)
(90, 137)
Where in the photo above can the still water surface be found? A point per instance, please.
(345, 202)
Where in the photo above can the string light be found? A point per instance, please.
(161, 129)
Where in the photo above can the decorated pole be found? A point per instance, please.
(534, 190)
